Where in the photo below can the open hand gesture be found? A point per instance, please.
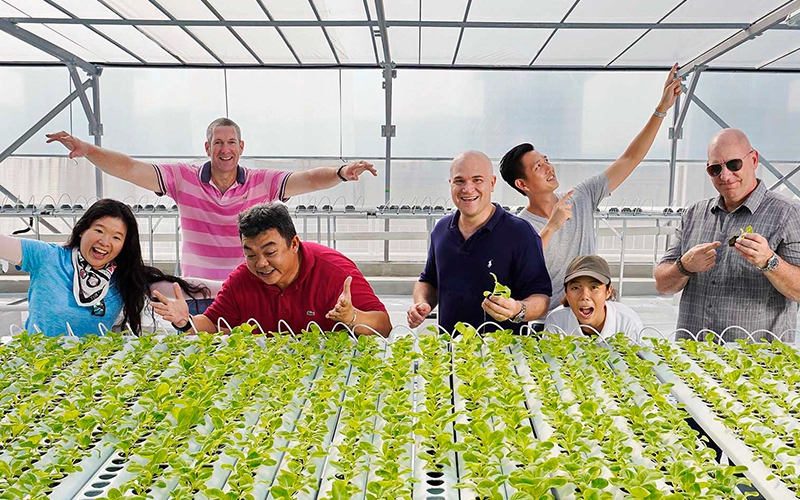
(343, 310)
(352, 170)
(77, 148)
(176, 310)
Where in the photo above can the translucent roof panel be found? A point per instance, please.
(9, 11)
(310, 45)
(135, 41)
(224, 44)
(438, 45)
(519, 10)
(403, 10)
(13, 49)
(760, 51)
(723, 11)
(88, 9)
(290, 10)
(353, 45)
(345, 10)
(34, 8)
(179, 43)
(268, 44)
(665, 47)
(614, 11)
(238, 10)
(96, 44)
(585, 47)
(404, 44)
(444, 10)
(64, 42)
(792, 61)
(187, 9)
(496, 46)
(135, 9)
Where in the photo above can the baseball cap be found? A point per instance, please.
(593, 266)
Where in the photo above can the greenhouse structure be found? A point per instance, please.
(150, 405)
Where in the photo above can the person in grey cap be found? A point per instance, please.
(590, 305)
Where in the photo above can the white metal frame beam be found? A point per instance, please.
(47, 47)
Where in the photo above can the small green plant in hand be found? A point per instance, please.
(742, 231)
(499, 290)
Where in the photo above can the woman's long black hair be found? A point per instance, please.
(133, 278)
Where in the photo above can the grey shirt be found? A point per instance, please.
(577, 237)
(734, 291)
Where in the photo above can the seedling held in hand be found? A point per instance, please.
(732, 239)
(499, 290)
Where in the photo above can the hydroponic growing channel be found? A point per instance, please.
(323, 416)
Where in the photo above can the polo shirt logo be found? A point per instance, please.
(490, 263)
(310, 313)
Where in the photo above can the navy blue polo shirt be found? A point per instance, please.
(506, 245)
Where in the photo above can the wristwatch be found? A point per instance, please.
(681, 268)
(519, 318)
(772, 263)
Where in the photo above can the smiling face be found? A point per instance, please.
(271, 259)
(471, 184)
(539, 174)
(586, 297)
(224, 149)
(735, 187)
(103, 241)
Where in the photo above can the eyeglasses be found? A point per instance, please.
(732, 165)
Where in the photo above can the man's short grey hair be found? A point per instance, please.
(265, 216)
(223, 122)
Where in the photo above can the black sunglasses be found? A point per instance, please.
(732, 165)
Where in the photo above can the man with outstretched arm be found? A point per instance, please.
(284, 279)
(736, 256)
(480, 238)
(565, 222)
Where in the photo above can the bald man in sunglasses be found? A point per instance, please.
(736, 256)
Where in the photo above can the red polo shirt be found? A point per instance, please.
(308, 298)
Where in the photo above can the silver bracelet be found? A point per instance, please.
(353, 323)
(659, 114)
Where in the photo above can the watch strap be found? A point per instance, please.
(681, 268)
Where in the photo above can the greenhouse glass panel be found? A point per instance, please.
(136, 9)
(519, 10)
(665, 47)
(353, 45)
(791, 61)
(343, 10)
(62, 41)
(723, 11)
(616, 11)
(160, 112)
(237, 10)
(88, 9)
(179, 43)
(138, 43)
(438, 45)
(9, 11)
(223, 44)
(586, 47)
(761, 50)
(444, 10)
(403, 10)
(290, 10)
(35, 8)
(187, 9)
(85, 37)
(14, 49)
(286, 112)
(310, 44)
(404, 43)
(499, 47)
(268, 44)
(362, 114)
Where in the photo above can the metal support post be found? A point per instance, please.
(673, 154)
(387, 130)
(97, 132)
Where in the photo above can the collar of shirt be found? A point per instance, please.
(205, 173)
(493, 221)
(751, 203)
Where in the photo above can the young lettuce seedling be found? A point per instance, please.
(499, 290)
(732, 239)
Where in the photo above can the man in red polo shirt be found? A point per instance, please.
(284, 279)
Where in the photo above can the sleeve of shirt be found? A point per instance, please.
(595, 188)
(428, 274)
(225, 304)
(169, 178)
(674, 252)
(789, 248)
(34, 253)
(528, 268)
(269, 185)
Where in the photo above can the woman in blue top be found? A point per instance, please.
(96, 275)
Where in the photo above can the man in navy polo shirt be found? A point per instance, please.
(478, 239)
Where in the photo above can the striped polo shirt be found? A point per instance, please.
(210, 245)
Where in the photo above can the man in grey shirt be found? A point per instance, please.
(565, 222)
(736, 256)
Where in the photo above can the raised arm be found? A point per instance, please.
(618, 171)
(325, 177)
(115, 164)
(10, 249)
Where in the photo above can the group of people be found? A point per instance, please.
(242, 259)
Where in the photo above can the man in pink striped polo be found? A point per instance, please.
(210, 196)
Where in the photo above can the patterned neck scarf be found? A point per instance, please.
(90, 285)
